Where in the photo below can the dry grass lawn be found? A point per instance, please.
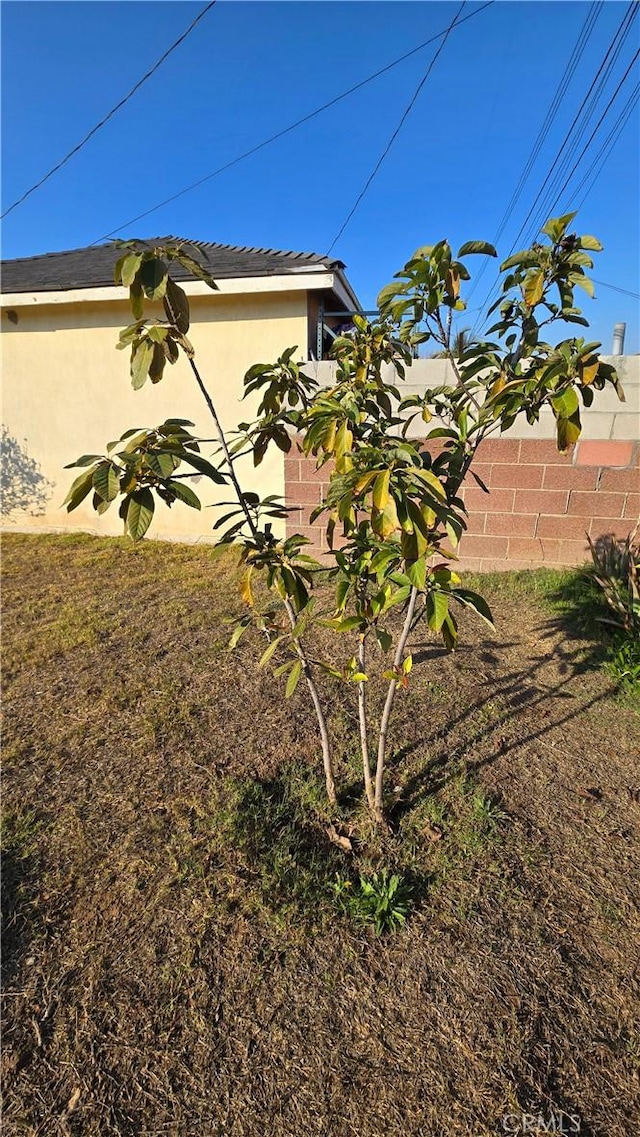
(174, 960)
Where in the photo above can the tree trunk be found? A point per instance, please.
(362, 712)
(378, 808)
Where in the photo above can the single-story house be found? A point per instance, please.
(67, 390)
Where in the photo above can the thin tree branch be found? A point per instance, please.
(313, 691)
(225, 450)
(388, 707)
(452, 360)
(362, 712)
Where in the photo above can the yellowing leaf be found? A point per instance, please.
(245, 588)
(533, 288)
(589, 370)
(363, 482)
(329, 436)
(453, 282)
(381, 490)
(498, 385)
(344, 442)
(389, 519)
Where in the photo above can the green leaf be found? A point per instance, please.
(523, 258)
(194, 267)
(130, 266)
(176, 306)
(153, 278)
(474, 601)
(432, 480)
(105, 481)
(79, 489)
(450, 632)
(85, 460)
(589, 242)
(162, 464)
(158, 360)
(294, 677)
(185, 493)
(271, 650)
(582, 281)
(238, 632)
(384, 639)
(140, 513)
(568, 431)
(565, 404)
(141, 359)
(348, 625)
(482, 247)
(137, 300)
(437, 609)
(199, 463)
(387, 293)
(417, 573)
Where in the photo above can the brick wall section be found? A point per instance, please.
(540, 505)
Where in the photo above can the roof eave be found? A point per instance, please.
(317, 279)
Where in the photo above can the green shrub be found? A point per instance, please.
(616, 571)
(381, 900)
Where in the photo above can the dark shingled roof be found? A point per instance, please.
(93, 267)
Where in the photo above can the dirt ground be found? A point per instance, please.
(174, 962)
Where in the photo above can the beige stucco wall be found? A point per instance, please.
(67, 392)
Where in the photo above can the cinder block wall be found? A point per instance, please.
(541, 504)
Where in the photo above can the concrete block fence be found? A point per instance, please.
(540, 507)
(541, 504)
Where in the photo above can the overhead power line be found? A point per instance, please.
(568, 142)
(583, 38)
(111, 113)
(572, 147)
(403, 118)
(569, 145)
(596, 128)
(616, 288)
(288, 129)
(599, 162)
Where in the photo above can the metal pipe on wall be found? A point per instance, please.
(618, 339)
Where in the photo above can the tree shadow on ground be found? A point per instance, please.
(547, 705)
(19, 887)
(286, 856)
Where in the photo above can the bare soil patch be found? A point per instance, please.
(174, 962)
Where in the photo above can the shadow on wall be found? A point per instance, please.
(24, 487)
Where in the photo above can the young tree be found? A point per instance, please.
(394, 506)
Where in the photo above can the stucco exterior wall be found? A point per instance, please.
(67, 392)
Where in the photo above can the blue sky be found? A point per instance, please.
(250, 69)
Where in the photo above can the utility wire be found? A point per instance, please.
(111, 113)
(291, 127)
(596, 128)
(623, 30)
(616, 288)
(547, 201)
(397, 130)
(576, 55)
(608, 145)
(614, 47)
